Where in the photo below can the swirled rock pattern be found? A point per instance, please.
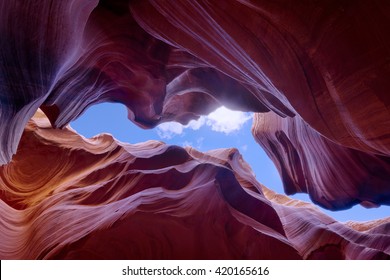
(314, 72)
(334, 176)
(99, 199)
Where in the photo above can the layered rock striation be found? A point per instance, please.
(100, 199)
(334, 176)
(315, 73)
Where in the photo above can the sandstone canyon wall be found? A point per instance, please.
(314, 72)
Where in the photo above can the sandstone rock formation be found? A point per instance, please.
(334, 176)
(314, 72)
(99, 199)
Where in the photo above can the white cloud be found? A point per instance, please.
(221, 120)
(196, 124)
(169, 129)
(199, 142)
(187, 144)
(227, 121)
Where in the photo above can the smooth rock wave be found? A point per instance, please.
(100, 199)
(315, 73)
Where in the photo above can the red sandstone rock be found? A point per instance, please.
(321, 61)
(98, 199)
(334, 176)
(325, 61)
(323, 66)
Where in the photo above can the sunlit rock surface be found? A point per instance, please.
(64, 196)
(315, 72)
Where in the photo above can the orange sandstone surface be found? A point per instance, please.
(315, 73)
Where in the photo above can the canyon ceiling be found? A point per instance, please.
(315, 73)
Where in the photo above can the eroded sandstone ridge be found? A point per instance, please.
(100, 199)
(314, 72)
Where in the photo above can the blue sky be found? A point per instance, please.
(221, 129)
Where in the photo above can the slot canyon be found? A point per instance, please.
(315, 74)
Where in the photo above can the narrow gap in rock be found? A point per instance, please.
(220, 129)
